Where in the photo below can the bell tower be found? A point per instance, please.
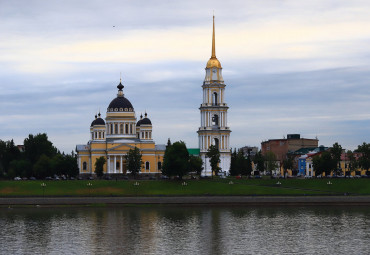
(213, 114)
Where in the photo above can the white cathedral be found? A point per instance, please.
(213, 114)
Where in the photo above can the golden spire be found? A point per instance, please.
(213, 61)
(213, 40)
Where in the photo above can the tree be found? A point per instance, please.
(35, 146)
(336, 152)
(21, 168)
(248, 163)
(134, 161)
(99, 166)
(364, 160)
(270, 161)
(353, 163)
(287, 164)
(176, 160)
(324, 163)
(214, 158)
(196, 164)
(259, 160)
(42, 168)
(234, 170)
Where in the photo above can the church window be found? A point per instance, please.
(150, 135)
(147, 165)
(215, 120)
(146, 135)
(99, 134)
(96, 135)
(159, 165)
(130, 128)
(216, 143)
(116, 109)
(121, 109)
(142, 135)
(215, 98)
(117, 165)
(103, 135)
(126, 128)
(115, 128)
(84, 166)
(126, 109)
(130, 109)
(111, 129)
(121, 128)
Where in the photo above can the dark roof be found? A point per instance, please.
(99, 121)
(120, 102)
(145, 121)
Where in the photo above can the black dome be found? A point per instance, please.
(92, 123)
(138, 123)
(99, 121)
(120, 104)
(145, 121)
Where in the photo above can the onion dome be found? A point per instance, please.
(98, 120)
(120, 103)
(146, 121)
(213, 61)
(139, 122)
(93, 123)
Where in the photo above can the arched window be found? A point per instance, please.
(215, 120)
(216, 143)
(130, 128)
(121, 129)
(84, 166)
(147, 165)
(115, 128)
(111, 129)
(215, 98)
(159, 165)
(126, 129)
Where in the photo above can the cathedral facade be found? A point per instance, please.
(113, 137)
(213, 114)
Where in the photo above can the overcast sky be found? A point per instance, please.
(290, 67)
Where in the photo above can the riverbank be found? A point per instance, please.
(193, 200)
(187, 188)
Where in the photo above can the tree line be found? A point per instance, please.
(38, 159)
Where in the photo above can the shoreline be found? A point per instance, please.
(190, 200)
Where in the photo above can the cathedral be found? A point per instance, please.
(115, 136)
(213, 114)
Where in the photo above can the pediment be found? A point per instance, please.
(122, 147)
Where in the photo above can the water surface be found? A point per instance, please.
(185, 230)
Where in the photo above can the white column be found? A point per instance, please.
(108, 164)
(121, 167)
(114, 165)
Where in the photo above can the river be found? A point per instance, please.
(185, 230)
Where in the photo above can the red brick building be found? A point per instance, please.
(293, 142)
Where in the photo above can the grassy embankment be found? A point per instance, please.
(288, 187)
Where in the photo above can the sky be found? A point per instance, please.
(289, 66)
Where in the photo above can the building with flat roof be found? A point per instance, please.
(281, 147)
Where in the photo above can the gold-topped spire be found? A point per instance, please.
(213, 61)
(213, 39)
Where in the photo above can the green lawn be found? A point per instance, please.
(194, 187)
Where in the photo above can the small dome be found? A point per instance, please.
(99, 121)
(145, 121)
(213, 62)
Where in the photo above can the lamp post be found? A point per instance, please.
(43, 185)
(89, 185)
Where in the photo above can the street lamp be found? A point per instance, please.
(89, 185)
(43, 185)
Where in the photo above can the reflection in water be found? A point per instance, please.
(185, 230)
